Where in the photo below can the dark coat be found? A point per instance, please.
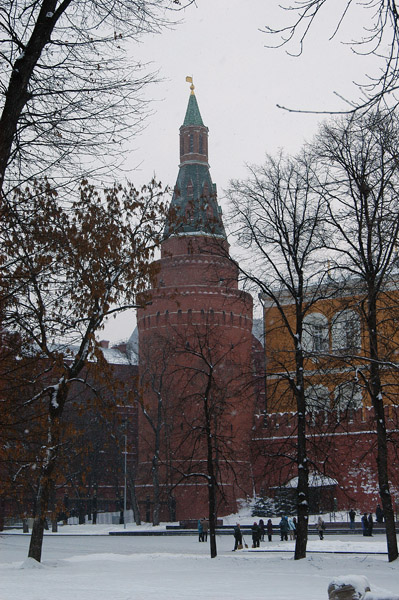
(238, 534)
(255, 532)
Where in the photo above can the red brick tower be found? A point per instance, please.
(195, 349)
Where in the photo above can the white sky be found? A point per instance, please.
(238, 84)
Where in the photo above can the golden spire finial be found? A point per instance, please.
(192, 87)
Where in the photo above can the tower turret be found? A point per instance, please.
(196, 306)
(194, 207)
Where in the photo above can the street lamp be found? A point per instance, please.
(124, 491)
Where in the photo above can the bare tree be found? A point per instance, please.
(380, 40)
(196, 398)
(359, 186)
(155, 382)
(214, 385)
(65, 270)
(70, 91)
(279, 220)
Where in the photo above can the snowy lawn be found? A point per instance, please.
(103, 567)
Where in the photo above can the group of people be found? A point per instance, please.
(258, 531)
(287, 528)
(367, 524)
(203, 528)
(366, 520)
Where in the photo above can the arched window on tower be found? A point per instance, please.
(201, 144)
(190, 188)
(191, 139)
(182, 145)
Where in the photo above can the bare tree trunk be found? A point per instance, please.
(46, 484)
(303, 475)
(133, 500)
(210, 470)
(382, 445)
(39, 523)
(155, 483)
(212, 516)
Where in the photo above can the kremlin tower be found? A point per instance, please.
(195, 340)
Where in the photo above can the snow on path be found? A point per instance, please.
(177, 568)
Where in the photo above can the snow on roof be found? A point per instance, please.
(315, 480)
(113, 356)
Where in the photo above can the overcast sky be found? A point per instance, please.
(239, 82)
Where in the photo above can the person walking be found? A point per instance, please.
(255, 535)
(284, 529)
(205, 529)
(295, 526)
(269, 529)
(291, 528)
(262, 530)
(364, 524)
(200, 531)
(352, 516)
(237, 538)
(370, 525)
(321, 527)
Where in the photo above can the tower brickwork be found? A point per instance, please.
(195, 348)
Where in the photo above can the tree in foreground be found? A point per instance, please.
(197, 394)
(359, 185)
(70, 93)
(215, 394)
(65, 269)
(378, 39)
(155, 381)
(279, 221)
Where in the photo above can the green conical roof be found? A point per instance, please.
(193, 115)
(194, 208)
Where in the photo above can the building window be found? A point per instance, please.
(201, 144)
(191, 143)
(347, 399)
(182, 145)
(346, 336)
(315, 333)
(317, 401)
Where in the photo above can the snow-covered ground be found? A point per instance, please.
(83, 562)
